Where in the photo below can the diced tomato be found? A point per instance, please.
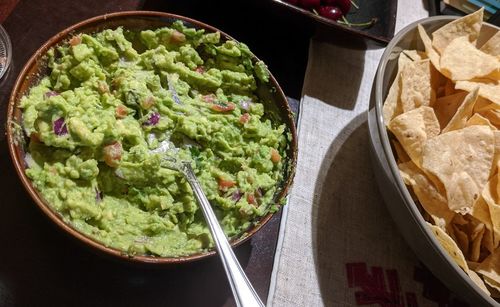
(275, 156)
(225, 184)
(177, 37)
(75, 40)
(210, 98)
(121, 111)
(200, 69)
(251, 199)
(35, 137)
(112, 154)
(229, 106)
(148, 103)
(103, 88)
(244, 118)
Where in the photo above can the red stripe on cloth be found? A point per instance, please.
(380, 286)
(375, 290)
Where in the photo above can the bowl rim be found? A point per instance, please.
(389, 155)
(55, 217)
(8, 51)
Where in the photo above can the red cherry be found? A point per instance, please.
(343, 5)
(330, 12)
(309, 4)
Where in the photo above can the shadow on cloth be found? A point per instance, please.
(350, 221)
(334, 73)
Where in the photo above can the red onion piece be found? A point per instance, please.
(259, 192)
(153, 119)
(59, 127)
(51, 93)
(236, 195)
(245, 104)
(98, 195)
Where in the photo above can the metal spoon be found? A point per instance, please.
(243, 292)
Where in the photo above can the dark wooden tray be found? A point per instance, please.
(382, 31)
(40, 266)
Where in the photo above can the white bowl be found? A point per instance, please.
(396, 195)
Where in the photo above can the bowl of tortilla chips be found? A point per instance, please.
(435, 133)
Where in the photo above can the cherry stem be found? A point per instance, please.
(315, 13)
(354, 4)
(345, 21)
(364, 24)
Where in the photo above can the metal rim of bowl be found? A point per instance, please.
(389, 155)
(8, 51)
(57, 218)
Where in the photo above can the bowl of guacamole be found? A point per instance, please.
(92, 107)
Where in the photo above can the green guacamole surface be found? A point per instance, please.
(107, 103)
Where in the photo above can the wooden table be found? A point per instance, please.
(40, 266)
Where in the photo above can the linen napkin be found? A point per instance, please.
(338, 246)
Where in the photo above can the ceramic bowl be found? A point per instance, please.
(397, 198)
(36, 68)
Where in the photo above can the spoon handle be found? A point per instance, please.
(244, 293)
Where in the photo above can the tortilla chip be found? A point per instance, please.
(460, 220)
(496, 157)
(463, 113)
(461, 60)
(449, 88)
(432, 54)
(474, 227)
(495, 286)
(492, 46)
(490, 267)
(483, 104)
(462, 239)
(489, 240)
(468, 26)
(477, 119)
(413, 128)
(472, 265)
(392, 104)
(429, 195)
(461, 160)
(493, 116)
(415, 55)
(495, 185)
(478, 281)
(480, 210)
(490, 195)
(450, 246)
(416, 85)
(488, 89)
(445, 107)
(400, 152)
(495, 219)
(477, 239)
(440, 222)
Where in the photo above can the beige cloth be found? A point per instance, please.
(336, 221)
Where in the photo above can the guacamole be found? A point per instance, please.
(112, 97)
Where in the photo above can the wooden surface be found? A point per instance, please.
(6, 6)
(40, 266)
